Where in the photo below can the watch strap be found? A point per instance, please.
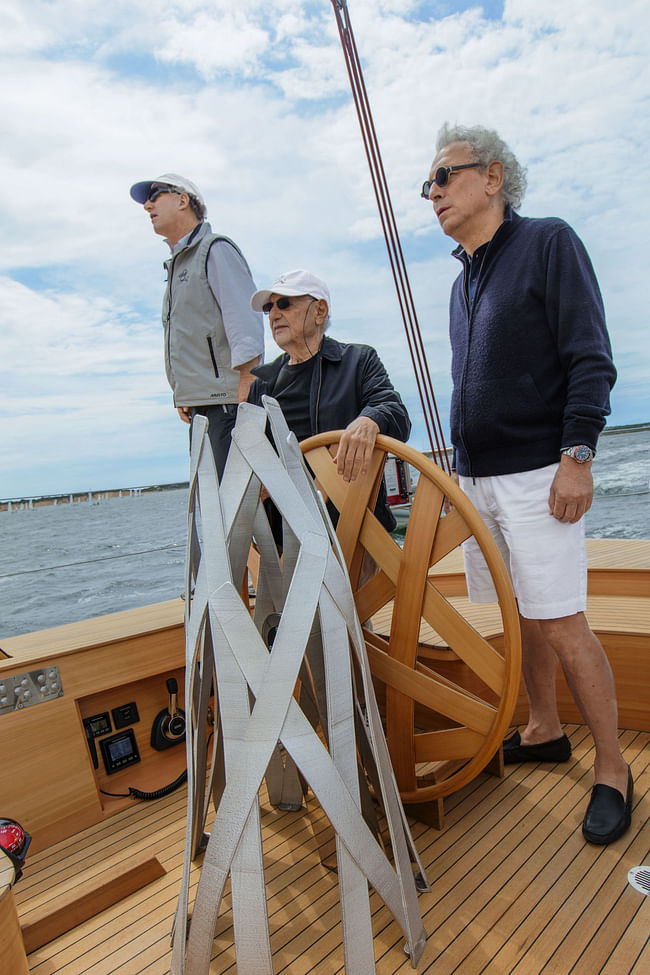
(581, 453)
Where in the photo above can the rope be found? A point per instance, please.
(103, 558)
(391, 235)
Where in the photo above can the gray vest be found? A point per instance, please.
(197, 354)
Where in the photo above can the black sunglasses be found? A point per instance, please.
(282, 303)
(159, 190)
(442, 177)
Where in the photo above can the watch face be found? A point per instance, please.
(582, 454)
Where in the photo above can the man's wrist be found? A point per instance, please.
(581, 453)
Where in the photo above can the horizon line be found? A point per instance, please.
(81, 495)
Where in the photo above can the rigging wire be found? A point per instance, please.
(100, 558)
(391, 235)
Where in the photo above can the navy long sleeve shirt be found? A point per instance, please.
(531, 358)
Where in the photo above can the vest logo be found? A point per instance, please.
(184, 275)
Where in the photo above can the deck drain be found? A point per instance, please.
(639, 878)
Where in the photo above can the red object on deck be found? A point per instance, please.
(397, 480)
(15, 842)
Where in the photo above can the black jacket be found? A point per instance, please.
(352, 381)
(531, 363)
(348, 380)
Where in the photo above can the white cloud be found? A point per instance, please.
(252, 102)
(70, 336)
(214, 43)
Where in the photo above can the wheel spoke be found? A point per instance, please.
(452, 711)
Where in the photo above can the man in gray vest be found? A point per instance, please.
(212, 337)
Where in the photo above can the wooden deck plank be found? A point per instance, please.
(617, 567)
(286, 841)
(87, 900)
(515, 889)
(621, 614)
(624, 553)
(602, 553)
(488, 879)
(97, 631)
(642, 965)
(481, 928)
(514, 886)
(559, 900)
(571, 926)
(609, 941)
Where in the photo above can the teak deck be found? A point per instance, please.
(515, 888)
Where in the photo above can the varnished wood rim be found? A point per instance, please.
(472, 524)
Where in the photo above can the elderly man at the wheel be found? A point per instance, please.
(322, 384)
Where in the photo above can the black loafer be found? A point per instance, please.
(558, 750)
(608, 814)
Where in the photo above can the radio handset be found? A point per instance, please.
(92, 747)
(169, 724)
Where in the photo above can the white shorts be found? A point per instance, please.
(546, 558)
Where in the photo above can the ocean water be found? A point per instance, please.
(68, 562)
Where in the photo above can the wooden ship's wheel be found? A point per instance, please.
(447, 694)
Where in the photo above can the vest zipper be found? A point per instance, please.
(212, 356)
(170, 276)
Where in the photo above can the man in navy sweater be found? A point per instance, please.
(532, 370)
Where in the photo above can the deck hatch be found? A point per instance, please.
(639, 878)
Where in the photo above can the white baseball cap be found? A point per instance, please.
(140, 192)
(293, 284)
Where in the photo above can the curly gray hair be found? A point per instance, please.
(488, 146)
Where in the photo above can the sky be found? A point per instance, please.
(251, 101)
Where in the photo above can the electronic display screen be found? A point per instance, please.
(100, 724)
(120, 748)
(119, 751)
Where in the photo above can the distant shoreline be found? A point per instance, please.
(625, 428)
(94, 497)
(98, 497)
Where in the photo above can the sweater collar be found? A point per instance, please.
(510, 221)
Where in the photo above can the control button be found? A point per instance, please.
(27, 694)
(41, 678)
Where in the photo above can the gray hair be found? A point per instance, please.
(488, 146)
(198, 209)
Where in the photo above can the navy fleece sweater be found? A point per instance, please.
(531, 362)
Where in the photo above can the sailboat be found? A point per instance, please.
(92, 768)
(513, 885)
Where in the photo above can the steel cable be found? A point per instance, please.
(391, 236)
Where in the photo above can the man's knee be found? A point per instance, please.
(568, 635)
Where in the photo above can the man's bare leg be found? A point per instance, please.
(590, 681)
(539, 665)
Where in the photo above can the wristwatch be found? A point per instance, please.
(581, 454)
